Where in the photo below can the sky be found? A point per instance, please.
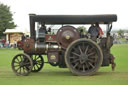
(21, 9)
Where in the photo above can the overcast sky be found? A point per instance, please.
(21, 9)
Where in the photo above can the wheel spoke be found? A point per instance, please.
(16, 65)
(35, 57)
(39, 61)
(87, 65)
(37, 66)
(80, 50)
(34, 67)
(91, 60)
(75, 65)
(91, 65)
(23, 69)
(16, 62)
(83, 68)
(17, 59)
(27, 68)
(91, 54)
(76, 54)
(82, 62)
(17, 68)
(21, 58)
(75, 60)
(86, 49)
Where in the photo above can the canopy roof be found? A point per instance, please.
(70, 19)
(74, 19)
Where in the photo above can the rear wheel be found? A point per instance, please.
(83, 57)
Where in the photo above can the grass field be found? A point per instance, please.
(57, 76)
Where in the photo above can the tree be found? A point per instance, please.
(82, 29)
(121, 33)
(6, 20)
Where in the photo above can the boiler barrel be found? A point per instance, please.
(44, 48)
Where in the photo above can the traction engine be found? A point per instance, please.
(82, 53)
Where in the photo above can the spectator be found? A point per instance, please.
(1, 45)
(15, 44)
(22, 38)
(7, 44)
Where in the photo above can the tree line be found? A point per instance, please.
(6, 20)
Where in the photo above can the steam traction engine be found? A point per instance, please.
(83, 54)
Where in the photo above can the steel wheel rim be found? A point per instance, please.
(38, 62)
(83, 66)
(21, 64)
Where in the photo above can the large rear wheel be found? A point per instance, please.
(83, 57)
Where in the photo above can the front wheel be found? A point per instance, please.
(83, 57)
(22, 64)
(38, 63)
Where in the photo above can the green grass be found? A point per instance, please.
(58, 76)
(122, 39)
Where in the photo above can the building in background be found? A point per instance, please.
(13, 35)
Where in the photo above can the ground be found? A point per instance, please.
(57, 76)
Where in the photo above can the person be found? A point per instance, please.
(4, 42)
(7, 44)
(22, 38)
(43, 28)
(93, 31)
(100, 32)
(81, 33)
(15, 44)
(49, 30)
(1, 45)
(42, 32)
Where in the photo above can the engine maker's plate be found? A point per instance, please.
(66, 35)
